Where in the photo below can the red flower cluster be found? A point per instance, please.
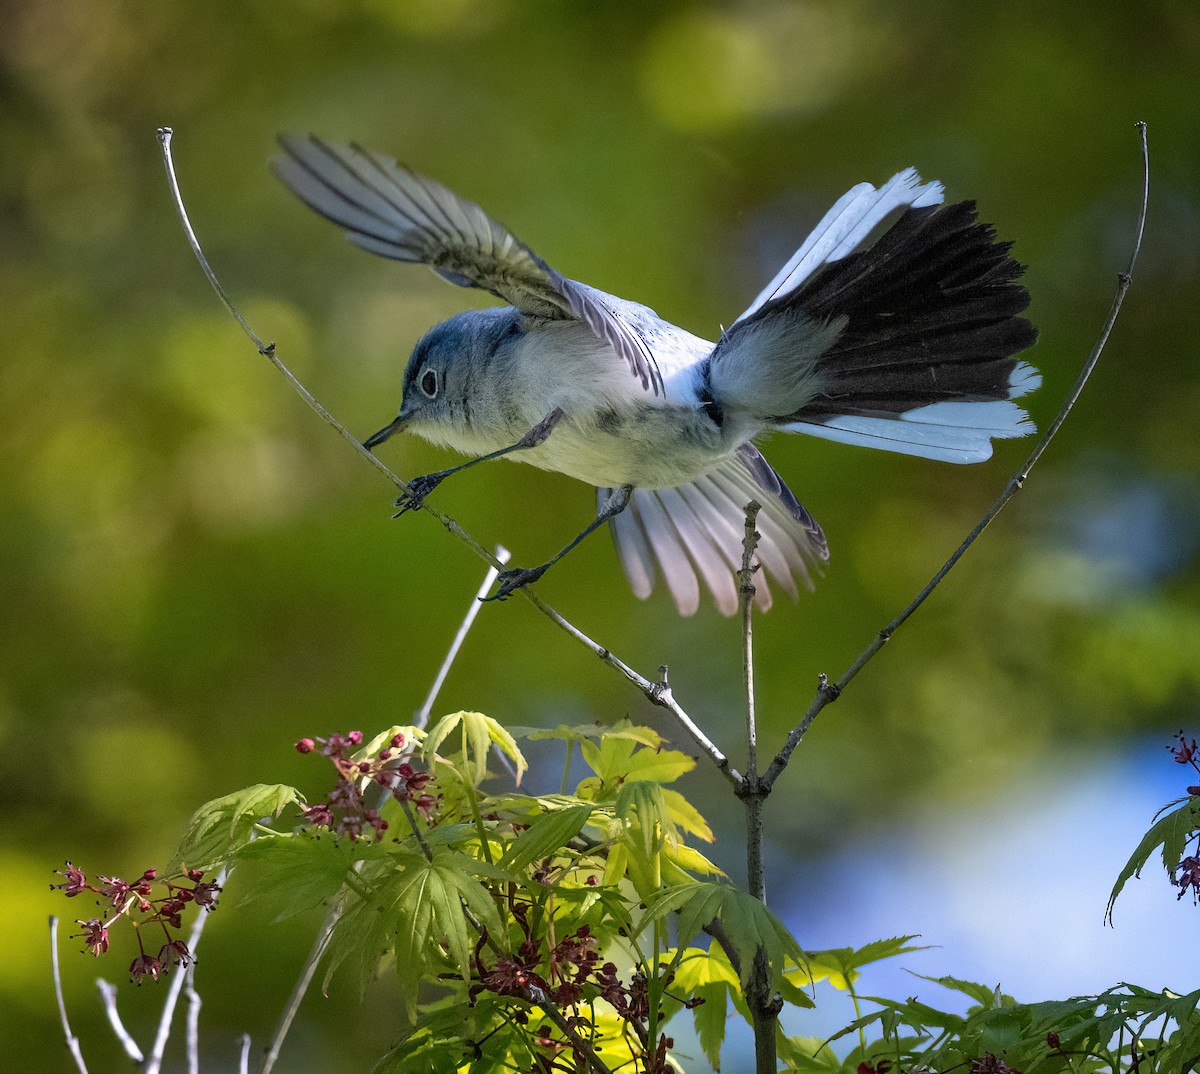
(346, 812)
(566, 974)
(990, 1064)
(1186, 875)
(144, 901)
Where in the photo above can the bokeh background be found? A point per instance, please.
(196, 572)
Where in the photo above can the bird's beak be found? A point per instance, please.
(375, 439)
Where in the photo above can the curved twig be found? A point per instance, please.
(827, 691)
(658, 693)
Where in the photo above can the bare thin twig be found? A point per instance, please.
(827, 691)
(299, 991)
(763, 1012)
(153, 1062)
(422, 717)
(108, 997)
(746, 599)
(244, 1055)
(72, 1040)
(658, 693)
(192, 1036)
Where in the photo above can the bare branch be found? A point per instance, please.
(192, 1037)
(299, 990)
(108, 997)
(746, 601)
(827, 691)
(72, 1040)
(422, 718)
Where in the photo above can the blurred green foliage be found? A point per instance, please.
(196, 574)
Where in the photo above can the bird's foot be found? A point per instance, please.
(514, 579)
(418, 489)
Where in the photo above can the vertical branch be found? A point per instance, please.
(72, 1040)
(192, 1034)
(753, 792)
(746, 600)
(750, 791)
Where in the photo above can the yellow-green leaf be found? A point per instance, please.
(220, 827)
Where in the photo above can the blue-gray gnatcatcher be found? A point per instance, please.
(904, 343)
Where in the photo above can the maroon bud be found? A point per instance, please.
(305, 745)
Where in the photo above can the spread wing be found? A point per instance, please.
(391, 211)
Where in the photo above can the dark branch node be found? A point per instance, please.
(829, 690)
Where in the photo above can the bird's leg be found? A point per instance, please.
(420, 487)
(518, 577)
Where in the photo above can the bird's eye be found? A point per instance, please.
(429, 383)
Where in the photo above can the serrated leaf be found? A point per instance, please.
(220, 827)
(748, 923)
(698, 967)
(619, 760)
(646, 736)
(686, 816)
(689, 859)
(550, 832)
(479, 733)
(427, 912)
(710, 1018)
(642, 804)
(302, 871)
(1169, 832)
(840, 965)
(616, 865)
(987, 996)
(808, 1054)
(413, 736)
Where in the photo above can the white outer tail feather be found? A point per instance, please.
(853, 217)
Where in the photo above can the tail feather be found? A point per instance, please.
(872, 348)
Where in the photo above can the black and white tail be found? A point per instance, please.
(907, 344)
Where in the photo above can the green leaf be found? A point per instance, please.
(689, 859)
(840, 965)
(618, 760)
(808, 1054)
(646, 736)
(455, 1037)
(479, 733)
(222, 826)
(710, 1019)
(297, 872)
(985, 995)
(749, 924)
(550, 832)
(686, 816)
(427, 912)
(413, 736)
(1169, 832)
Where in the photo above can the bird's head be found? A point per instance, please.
(453, 376)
